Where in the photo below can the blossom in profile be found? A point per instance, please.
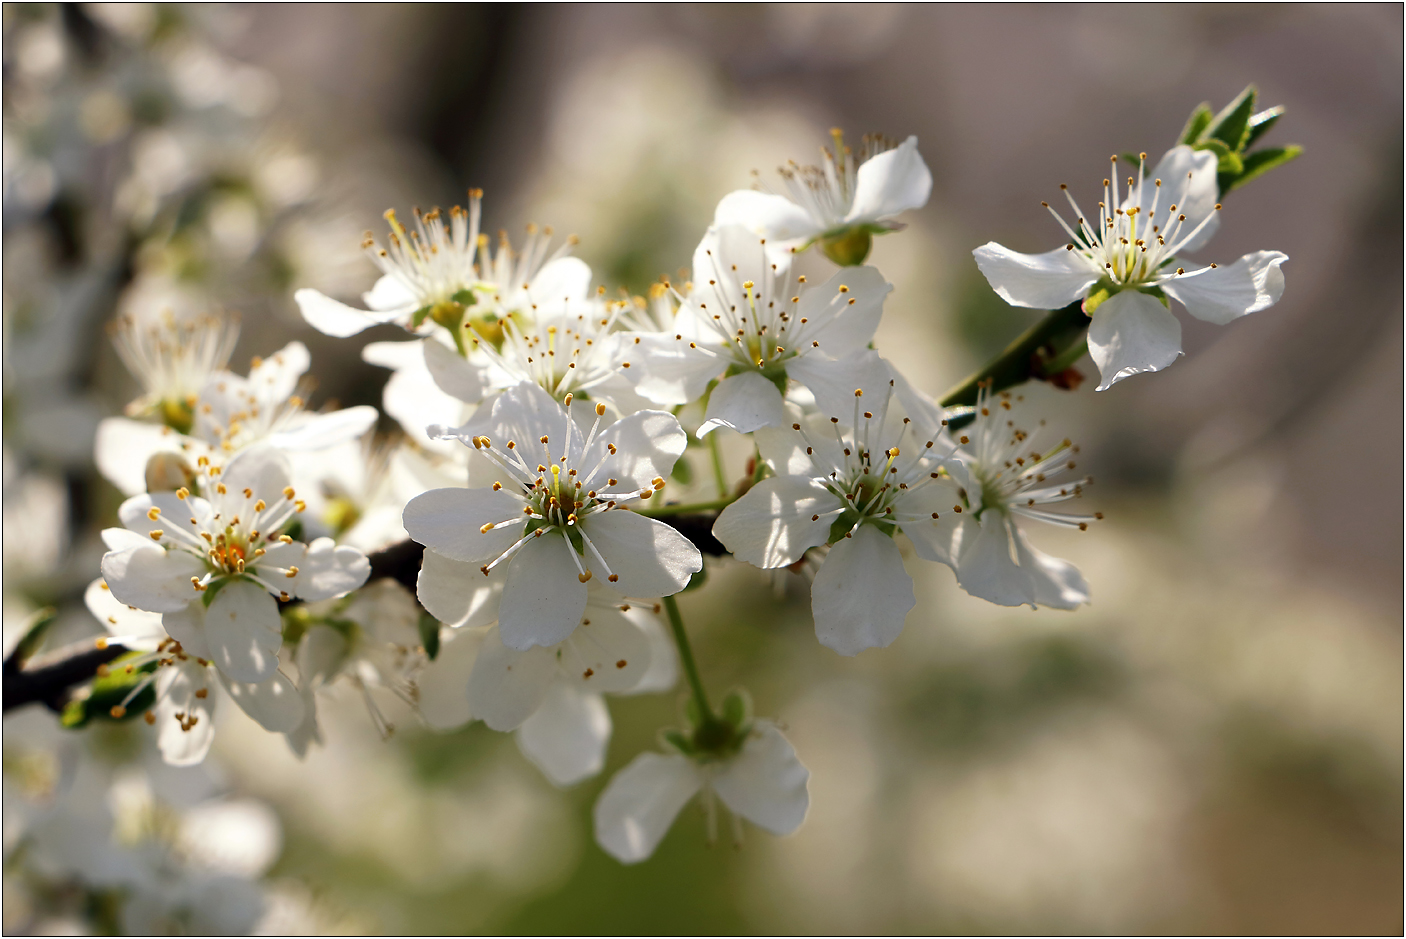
(557, 514)
(841, 204)
(1123, 263)
(752, 769)
(173, 358)
(213, 564)
(747, 324)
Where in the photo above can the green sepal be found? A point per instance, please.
(207, 596)
(737, 708)
(1196, 124)
(109, 691)
(463, 296)
(1262, 161)
(677, 740)
(429, 635)
(1232, 124)
(1100, 292)
(1261, 123)
(839, 528)
(418, 317)
(849, 248)
(1155, 292)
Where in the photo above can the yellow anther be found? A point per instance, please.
(156, 534)
(292, 571)
(288, 492)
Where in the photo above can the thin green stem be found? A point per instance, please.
(687, 508)
(1066, 358)
(690, 667)
(715, 452)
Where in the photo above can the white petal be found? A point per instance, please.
(133, 513)
(187, 626)
(891, 183)
(411, 395)
(333, 318)
(843, 321)
(274, 703)
(118, 539)
(765, 783)
(319, 431)
(647, 445)
(119, 619)
(1044, 281)
(454, 374)
(986, 568)
(449, 522)
(641, 802)
(325, 569)
(775, 217)
(1221, 294)
(390, 295)
(263, 469)
(122, 448)
(566, 737)
(394, 355)
(1132, 333)
(457, 593)
(1055, 582)
(543, 599)
(833, 382)
(731, 255)
(933, 538)
(560, 286)
(671, 370)
(506, 685)
(772, 525)
(1195, 199)
(861, 593)
(663, 671)
(321, 655)
(244, 631)
(650, 558)
(185, 747)
(527, 413)
(275, 378)
(609, 653)
(444, 683)
(151, 578)
(744, 403)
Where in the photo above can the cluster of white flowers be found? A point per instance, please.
(544, 425)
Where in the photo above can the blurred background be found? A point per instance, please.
(1214, 745)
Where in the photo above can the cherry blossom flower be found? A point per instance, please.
(557, 515)
(230, 414)
(212, 565)
(851, 483)
(185, 685)
(1014, 471)
(842, 203)
(756, 775)
(1122, 262)
(746, 324)
(173, 358)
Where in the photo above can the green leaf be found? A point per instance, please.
(1227, 161)
(429, 635)
(33, 636)
(109, 691)
(1261, 123)
(1196, 124)
(1262, 161)
(419, 315)
(464, 296)
(1232, 124)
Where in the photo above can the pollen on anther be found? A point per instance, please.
(613, 578)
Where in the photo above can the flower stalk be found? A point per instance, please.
(690, 667)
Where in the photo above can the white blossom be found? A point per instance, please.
(1122, 262)
(173, 358)
(558, 512)
(761, 781)
(850, 481)
(841, 203)
(178, 547)
(748, 325)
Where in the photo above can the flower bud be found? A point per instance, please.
(849, 248)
